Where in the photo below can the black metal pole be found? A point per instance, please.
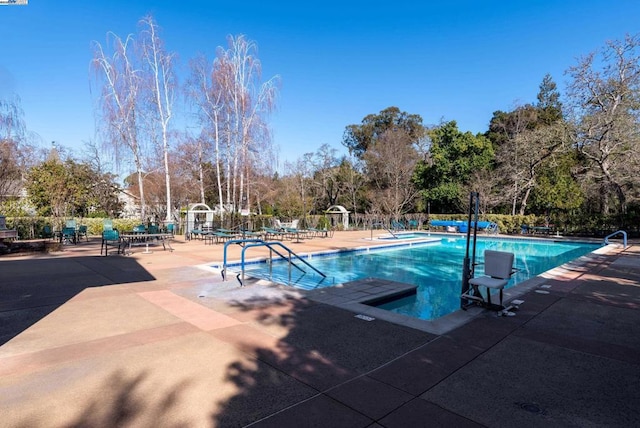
(466, 264)
(475, 234)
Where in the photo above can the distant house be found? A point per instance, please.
(130, 204)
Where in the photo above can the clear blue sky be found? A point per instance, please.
(338, 60)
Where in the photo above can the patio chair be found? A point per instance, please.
(250, 234)
(107, 224)
(219, 235)
(171, 228)
(68, 235)
(498, 268)
(271, 233)
(196, 234)
(110, 237)
(322, 233)
(298, 234)
(47, 232)
(83, 231)
(492, 228)
(223, 235)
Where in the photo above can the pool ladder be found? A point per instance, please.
(385, 228)
(619, 232)
(251, 243)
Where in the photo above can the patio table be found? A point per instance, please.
(130, 239)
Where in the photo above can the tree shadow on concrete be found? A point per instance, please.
(323, 347)
(123, 401)
(31, 289)
(329, 354)
(128, 403)
(305, 362)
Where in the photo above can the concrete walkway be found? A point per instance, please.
(157, 340)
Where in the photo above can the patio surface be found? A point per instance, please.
(159, 340)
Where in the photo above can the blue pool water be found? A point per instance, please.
(436, 268)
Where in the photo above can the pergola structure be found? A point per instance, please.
(337, 214)
(198, 214)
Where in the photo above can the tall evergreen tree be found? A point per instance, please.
(359, 138)
(549, 105)
(454, 158)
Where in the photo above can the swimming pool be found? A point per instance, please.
(435, 267)
(404, 236)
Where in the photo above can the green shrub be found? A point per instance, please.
(323, 223)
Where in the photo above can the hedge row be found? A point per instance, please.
(576, 225)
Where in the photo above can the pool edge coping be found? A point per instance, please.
(438, 326)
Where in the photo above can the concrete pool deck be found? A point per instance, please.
(157, 340)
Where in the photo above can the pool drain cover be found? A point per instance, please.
(365, 317)
(531, 408)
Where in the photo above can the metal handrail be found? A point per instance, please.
(249, 243)
(385, 228)
(624, 237)
(224, 252)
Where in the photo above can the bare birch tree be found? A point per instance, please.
(120, 94)
(233, 107)
(250, 103)
(205, 91)
(161, 83)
